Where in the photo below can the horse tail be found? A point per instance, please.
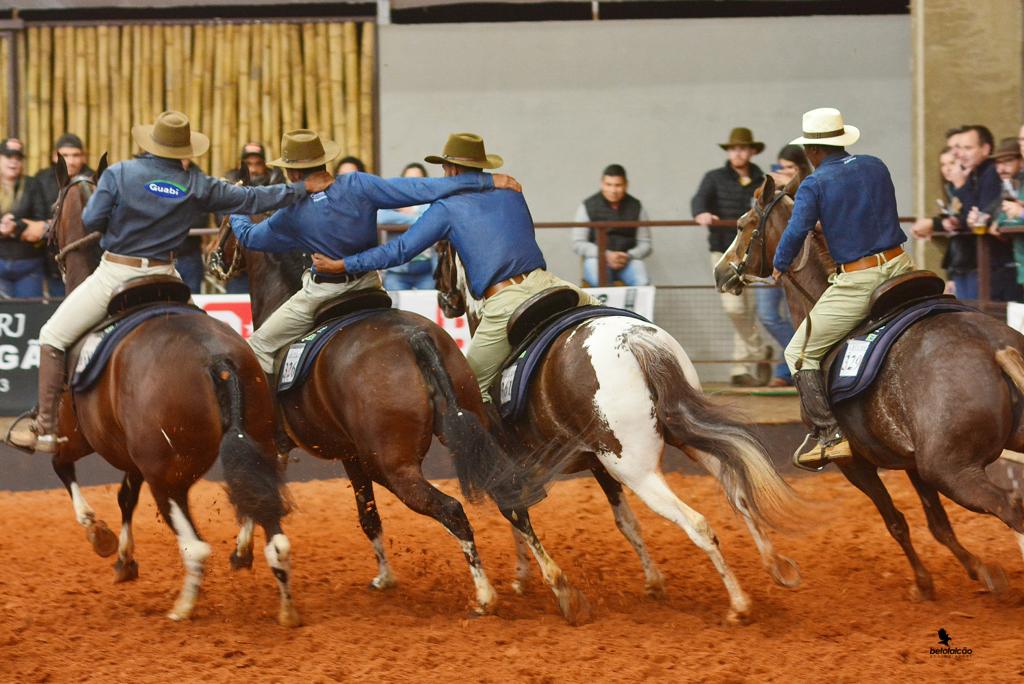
(1012, 363)
(253, 482)
(481, 464)
(688, 418)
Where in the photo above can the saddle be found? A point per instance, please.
(532, 329)
(294, 361)
(148, 290)
(852, 365)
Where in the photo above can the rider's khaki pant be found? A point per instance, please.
(295, 317)
(747, 344)
(86, 305)
(490, 347)
(841, 308)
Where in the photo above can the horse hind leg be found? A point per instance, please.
(572, 603)
(278, 553)
(242, 556)
(784, 571)
(104, 542)
(369, 520)
(626, 522)
(126, 569)
(194, 551)
(522, 563)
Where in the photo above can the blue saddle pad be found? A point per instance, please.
(518, 372)
(855, 367)
(302, 353)
(100, 344)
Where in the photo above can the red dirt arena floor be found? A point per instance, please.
(61, 618)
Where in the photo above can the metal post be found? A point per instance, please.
(984, 272)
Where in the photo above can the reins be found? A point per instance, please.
(215, 260)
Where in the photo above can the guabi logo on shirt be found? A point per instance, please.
(164, 188)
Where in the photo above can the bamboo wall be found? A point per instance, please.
(237, 83)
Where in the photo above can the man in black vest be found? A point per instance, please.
(626, 247)
(725, 194)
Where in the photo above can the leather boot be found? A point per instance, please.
(832, 445)
(41, 435)
(282, 442)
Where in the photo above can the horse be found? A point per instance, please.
(917, 417)
(377, 393)
(608, 396)
(177, 393)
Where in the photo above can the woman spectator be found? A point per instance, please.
(418, 274)
(23, 214)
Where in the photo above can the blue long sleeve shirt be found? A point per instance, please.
(342, 220)
(147, 205)
(492, 233)
(854, 198)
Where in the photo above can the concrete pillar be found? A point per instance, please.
(967, 69)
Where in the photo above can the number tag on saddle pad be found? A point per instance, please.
(508, 377)
(291, 362)
(853, 358)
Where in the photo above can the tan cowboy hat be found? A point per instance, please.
(1008, 149)
(466, 149)
(303, 149)
(742, 136)
(824, 126)
(171, 136)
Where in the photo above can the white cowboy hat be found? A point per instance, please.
(824, 126)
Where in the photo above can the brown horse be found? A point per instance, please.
(177, 392)
(945, 404)
(608, 396)
(378, 392)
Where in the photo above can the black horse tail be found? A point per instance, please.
(482, 465)
(744, 468)
(253, 482)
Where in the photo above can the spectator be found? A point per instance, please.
(1007, 158)
(70, 147)
(726, 194)
(349, 165)
(23, 223)
(626, 248)
(417, 274)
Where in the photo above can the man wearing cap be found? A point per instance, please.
(854, 199)
(725, 194)
(338, 222)
(145, 207)
(253, 159)
(23, 217)
(1007, 158)
(494, 237)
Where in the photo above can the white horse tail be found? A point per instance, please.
(690, 420)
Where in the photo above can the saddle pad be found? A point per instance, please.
(518, 370)
(100, 344)
(301, 353)
(855, 368)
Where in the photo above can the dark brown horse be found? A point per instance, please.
(177, 392)
(377, 393)
(608, 396)
(946, 402)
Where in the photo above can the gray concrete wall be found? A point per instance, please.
(561, 100)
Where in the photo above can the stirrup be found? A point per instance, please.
(800, 452)
(31, 413)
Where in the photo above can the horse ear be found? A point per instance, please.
(61, 170)
(792, 185)
(243, 174)
(767, 190)
(100, 168)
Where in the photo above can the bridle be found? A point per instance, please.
(758, 236)
(448, 291)
(58, 211)
(215, 259)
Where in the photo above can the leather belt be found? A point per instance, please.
(872, 260)
(502, 284)
(334, 277)
(137, 262)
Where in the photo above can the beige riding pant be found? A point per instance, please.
(490, 347)
(741, 309)
(86, 305)
(295, 317)
(841, 309)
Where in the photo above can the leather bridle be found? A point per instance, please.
(759, 236)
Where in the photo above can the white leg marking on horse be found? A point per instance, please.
(278, 553)
(83, 511)
(630, 528)
(522, 563)
(194, 552)
(385, 579)
(485, 595)
(126, 543)
(243, 542)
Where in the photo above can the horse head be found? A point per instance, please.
(68, 237)
(749, 258)
(450, 295)
(225, 257)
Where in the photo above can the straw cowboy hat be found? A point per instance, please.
(171, 137)
(742, 136)
(303, 149)
(824, 126)
(466, 149)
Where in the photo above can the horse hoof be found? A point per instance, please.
(241, 562)
(487, 608)
(738, 618)
(125, 572)
(656, 590)
(104, 542)
(289, 616)
(179, 615)
(575, 607)
(994, 578)
(785, 572)
(383, 583)
(918, 594)
(519, 587)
